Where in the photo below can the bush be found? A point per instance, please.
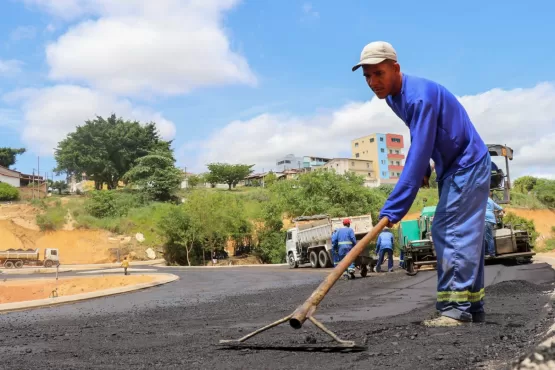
(8, 192)
(106, 203)
(53, 219)
(271, 248)
(522, 223)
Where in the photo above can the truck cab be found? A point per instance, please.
(291, 247)
(51, 257)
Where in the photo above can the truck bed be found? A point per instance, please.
(20, 254)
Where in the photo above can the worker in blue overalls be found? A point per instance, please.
(384, 245)
(342, 241)
(441, 130)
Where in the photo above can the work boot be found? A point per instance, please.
(479, 317)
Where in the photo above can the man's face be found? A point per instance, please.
(381, 77)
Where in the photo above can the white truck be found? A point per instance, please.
(11, 258)
(310, 241)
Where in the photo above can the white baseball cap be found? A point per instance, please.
(376, 52)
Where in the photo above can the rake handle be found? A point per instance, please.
(309, 306)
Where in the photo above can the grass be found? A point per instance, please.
(54, 216)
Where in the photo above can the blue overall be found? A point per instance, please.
(490, 223)
(342, 241)
(384, 245)
(441, 130)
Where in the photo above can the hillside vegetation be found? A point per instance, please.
(144, 195)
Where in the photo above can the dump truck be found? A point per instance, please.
(512, 242)
(310, 241)
(17, 258)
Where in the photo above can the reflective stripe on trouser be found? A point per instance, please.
(342, 253)
(458, 235)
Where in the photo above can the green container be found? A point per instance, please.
(428, 211)
(408, 231)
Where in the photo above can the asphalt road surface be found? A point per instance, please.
(179, 325)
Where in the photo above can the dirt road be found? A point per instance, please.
(179, 325)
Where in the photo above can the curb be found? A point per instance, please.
(219, 267)
(49, 302)
(71, 268)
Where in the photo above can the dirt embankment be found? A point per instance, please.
(18, 230)
(32, 289)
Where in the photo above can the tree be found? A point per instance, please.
(229, 174)
(7, 156)
(193, 181)
(59, 185)
(106, 149)
(179, 232)
(156, 175)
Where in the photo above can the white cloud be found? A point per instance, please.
(49, 114)
(524, 119)
(10, 67)
(141, 47)
(23, 32)
(309, 11)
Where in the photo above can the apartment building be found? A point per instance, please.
(306, 163)
(361, 167)
(385, 151)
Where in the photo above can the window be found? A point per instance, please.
(356, 145)
(395, 140)
(396, 152)
(398, 174)
(367, 165)
(383, 150)
(371, 140)
(356, 155)
(289, 235)
(398, 163)
(352, 163)
(384, 173)
(370, 174)
(383, 161)
(381, 139)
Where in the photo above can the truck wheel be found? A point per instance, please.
(411, 271)
(48, 263)
(18, 264)
(364, 270)
(324, 258)
(314, 260)
(8, 265)
(291, 260)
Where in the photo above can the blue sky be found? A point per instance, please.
(268, 78)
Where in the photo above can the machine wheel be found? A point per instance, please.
(291, 260)
(314, 259)
(48, 263)
(18, 264)
(324, 258)
(8, 265)
(363, 270)
(411, 271)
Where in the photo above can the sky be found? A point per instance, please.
(251, 81)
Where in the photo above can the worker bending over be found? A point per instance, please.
(441, 130)
(490, 223)
(384, 245)
(342, 241)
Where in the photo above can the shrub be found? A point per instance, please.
(522, 223)
(8, 192)
(106, 203)
(53, 219)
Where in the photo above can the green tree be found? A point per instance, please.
(180, 233)
(229, 174)
(545, 192)
(270, 179)
(59, 185)
(193, 181)
(106, 149)
(7, 156)
(156, 175)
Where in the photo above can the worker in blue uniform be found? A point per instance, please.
(343, 240)
(489, 225)
(441, 130)
(384, 245)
